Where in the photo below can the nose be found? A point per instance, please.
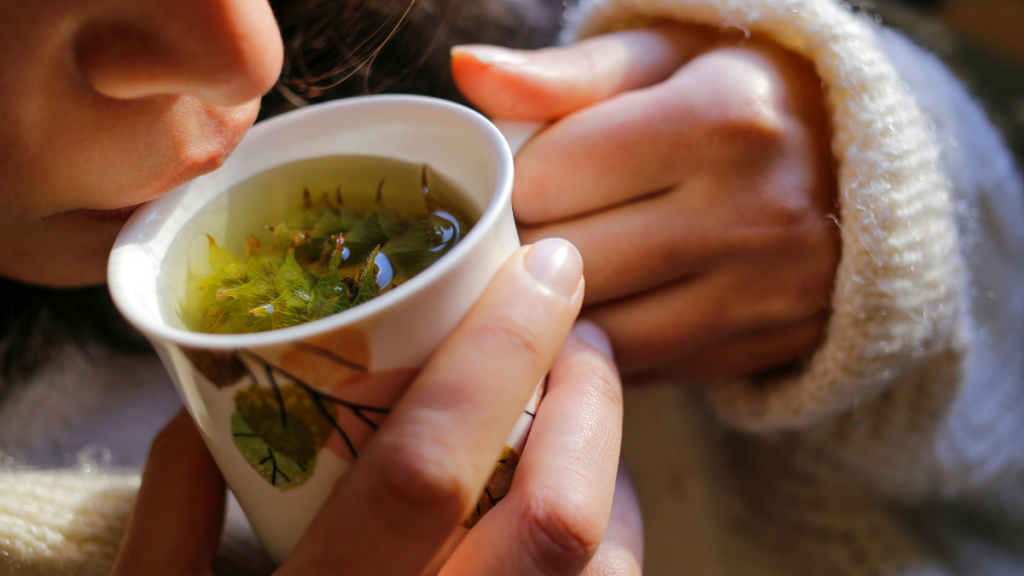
(226, 52)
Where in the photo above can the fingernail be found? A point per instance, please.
(557, 264)
(592, 334)
(490, 54)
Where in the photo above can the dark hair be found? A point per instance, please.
(333, 49)
(35, 321)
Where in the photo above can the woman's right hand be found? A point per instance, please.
(395, 510)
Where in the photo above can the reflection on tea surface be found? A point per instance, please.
(358, 226)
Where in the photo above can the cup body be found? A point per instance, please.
(286, 412)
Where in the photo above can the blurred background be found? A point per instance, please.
(982, 40)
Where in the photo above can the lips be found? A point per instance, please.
(115, 216)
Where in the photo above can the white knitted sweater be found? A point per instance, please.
(904, 431)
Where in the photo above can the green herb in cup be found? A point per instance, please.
(326, 257)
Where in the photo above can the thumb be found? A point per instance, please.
(550, 83)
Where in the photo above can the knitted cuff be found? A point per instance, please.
(63, 522)
(898, 284)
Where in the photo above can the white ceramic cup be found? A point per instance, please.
(334, 378)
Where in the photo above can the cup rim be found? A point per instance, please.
(488, 219)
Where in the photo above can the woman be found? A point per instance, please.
(675, 124)
(115, 103)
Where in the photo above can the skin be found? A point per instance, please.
(113, 102)
(418, 477)
(110, 103)
(711, 253)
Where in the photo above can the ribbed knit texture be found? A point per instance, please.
(63, 521)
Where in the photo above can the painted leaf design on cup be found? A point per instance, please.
(497, 486)
(221, 367)
(363, 409)
(276, 468)
(281, 422)
(287, 418)
(337, 364)
(282, 419)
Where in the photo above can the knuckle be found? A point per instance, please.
(793, 213)
(560, 535)
(783, 206)
(746, 117)
(613, 560)
(792, 303)
(508, 335)
(743, 129)
(605, 386)
(752, 123)
(412, 477)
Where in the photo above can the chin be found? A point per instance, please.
(87, 268)
(81, 273)
(66, 252)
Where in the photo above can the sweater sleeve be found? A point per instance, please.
(899, 306)
(63, 522)
(71, 521)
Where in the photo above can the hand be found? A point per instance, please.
(425, 468)
(695, 177)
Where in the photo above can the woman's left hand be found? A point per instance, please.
(694, 174)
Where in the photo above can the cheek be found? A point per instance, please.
(104, 154)
(150, 149)
(122, 154)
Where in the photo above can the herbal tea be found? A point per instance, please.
(353, 227)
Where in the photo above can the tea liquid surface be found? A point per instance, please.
(309, 239)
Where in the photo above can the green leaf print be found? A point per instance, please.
(279, 470)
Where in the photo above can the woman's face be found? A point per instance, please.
(105, 104)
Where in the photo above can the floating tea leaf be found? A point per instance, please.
(328, 225)
(368, 280)
(330, 295)
(329, 255)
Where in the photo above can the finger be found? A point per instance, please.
(700, 225)
(550, 83)
(750, 352)
(590, 160)
(428, 464)
(725, 115)
(179, 513)
(677, 320)
(622, 551)
(554, 517)
(649, 243)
